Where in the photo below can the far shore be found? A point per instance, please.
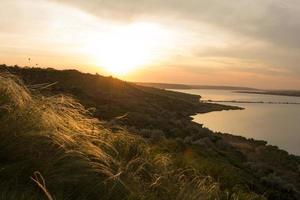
(254, 102)
(290, 93)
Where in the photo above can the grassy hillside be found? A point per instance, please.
(51, 148)
(125, 142)
(144, 107)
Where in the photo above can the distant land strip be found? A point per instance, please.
(249, 90)
(292, 93)
(256, 102)
(188, 87)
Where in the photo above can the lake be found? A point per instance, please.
(278, 124)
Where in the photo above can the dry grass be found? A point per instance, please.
(52, 148)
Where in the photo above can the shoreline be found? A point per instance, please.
(237, 137)
(241, 139)
(251, 102)
(273, 93)
(207, 107)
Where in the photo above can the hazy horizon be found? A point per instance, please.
(245, 44)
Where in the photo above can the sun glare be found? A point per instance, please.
(127, 48)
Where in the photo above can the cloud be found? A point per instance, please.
(261, 31)
(275, 21)
(267, 56)
(214, 37)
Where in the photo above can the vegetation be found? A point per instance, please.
(70, 135)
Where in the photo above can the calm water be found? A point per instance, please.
(279, 124)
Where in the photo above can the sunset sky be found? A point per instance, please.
(253, 43)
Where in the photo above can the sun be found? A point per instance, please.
(127, 48)
(125, 51)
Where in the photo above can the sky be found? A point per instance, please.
(252, 43)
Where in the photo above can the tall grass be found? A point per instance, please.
(52, 148)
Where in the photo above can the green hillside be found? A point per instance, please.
(69, 135)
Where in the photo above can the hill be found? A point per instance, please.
(144, 107)
(133, 142)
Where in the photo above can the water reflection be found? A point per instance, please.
(279, 124)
